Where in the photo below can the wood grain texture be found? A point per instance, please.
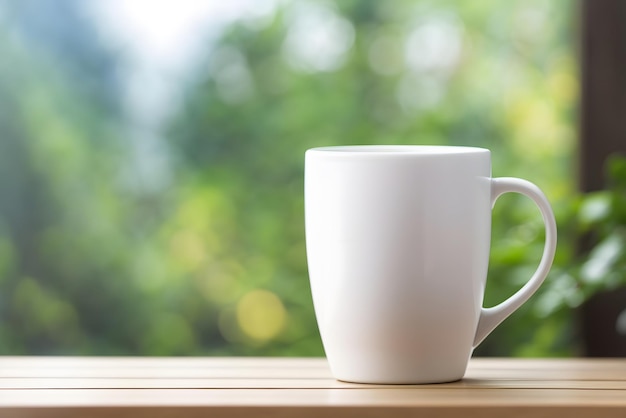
(231, 387)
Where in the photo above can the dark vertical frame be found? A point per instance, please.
(602, 133)
(603, 93)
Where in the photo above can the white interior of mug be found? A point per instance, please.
(401, 149)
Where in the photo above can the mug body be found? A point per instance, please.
(397, 246)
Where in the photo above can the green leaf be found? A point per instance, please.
(595, 207)
(603, 258)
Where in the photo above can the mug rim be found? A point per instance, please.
(398, 150)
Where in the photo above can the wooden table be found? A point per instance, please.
(301, 387)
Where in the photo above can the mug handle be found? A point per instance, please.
(490, 318)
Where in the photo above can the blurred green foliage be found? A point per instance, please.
(600, 220)
(213, 262)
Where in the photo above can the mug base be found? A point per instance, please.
(401, 381)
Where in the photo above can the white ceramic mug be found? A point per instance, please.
(398, 244)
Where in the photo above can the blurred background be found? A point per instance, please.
(151, 163)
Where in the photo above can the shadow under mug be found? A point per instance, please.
(398, 241)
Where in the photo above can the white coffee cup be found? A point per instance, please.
(398, 242)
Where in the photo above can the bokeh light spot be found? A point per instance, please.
(261, 315)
